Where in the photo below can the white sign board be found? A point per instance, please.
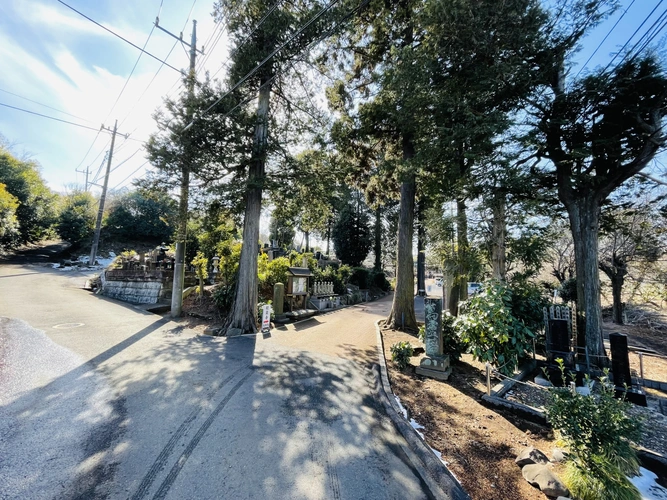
(266, 318)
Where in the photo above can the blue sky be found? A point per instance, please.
(52, 55)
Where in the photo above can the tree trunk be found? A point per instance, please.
(499, 229)
(243, 315)
(461, 280)
(328, 235)
(402, 315)
(377, 250)
(584, 215)
(421, 245)
(616, 290)
(616, 272)
(307, 241)
(181, 236)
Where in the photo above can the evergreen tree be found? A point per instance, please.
(35, 212)
(76, 220)
(264, 60)
(352, 235)
(597, 132)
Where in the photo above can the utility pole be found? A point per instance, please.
(100, 211)
(181, 231)
(87, 172)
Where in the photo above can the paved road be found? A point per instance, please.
(101, 400)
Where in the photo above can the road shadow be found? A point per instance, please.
(69, 437)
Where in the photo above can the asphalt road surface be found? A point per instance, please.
(101, 400)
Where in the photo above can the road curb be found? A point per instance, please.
(438, 478)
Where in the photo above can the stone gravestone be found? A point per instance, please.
(278, 298)
(620, 368)
(436, 362)
(620, 363)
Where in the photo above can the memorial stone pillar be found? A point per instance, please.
(436, 362)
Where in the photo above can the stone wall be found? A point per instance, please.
(135, 292)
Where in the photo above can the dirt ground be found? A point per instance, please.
(479, 442)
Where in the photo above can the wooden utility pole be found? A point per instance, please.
(181, 231)
(100, 211)
(87, 172)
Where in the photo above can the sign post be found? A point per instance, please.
(266, 318)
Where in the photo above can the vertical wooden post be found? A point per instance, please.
(488, 379)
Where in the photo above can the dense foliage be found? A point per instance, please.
(9, 224)
(500, 323)
(148, 215)
(401, 352)
(352, 235)
(77, 217)
(599, 434)
(34, 205)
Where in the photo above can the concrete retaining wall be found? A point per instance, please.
(135, 292)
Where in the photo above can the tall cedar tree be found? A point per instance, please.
(490, 50)
(295, 24)
(383, 110)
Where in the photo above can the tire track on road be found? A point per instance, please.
(180, 463)
(161, 459)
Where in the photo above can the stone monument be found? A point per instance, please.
(436, 362)
(278, 298)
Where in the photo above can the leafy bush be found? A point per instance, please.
(149, 215)
(568, 290)
(451, 341)
(528, 301)
(223, 296)
(380, 281)
(77, 219)
(360, 277)
(598, 433)
(339, 277)
(271, 272)
(492, 329)
(201, 264)
(401, 352)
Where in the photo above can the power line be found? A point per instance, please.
(650, 35)
(266, 59)
(631, 37)
(119, 36)
(605, 38)
(127, 80)
(247, 37)
(49, 117)
(125, 160)
(46, 105)
(126, 178)
(307, 49)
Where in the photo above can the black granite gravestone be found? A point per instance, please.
(620, 362)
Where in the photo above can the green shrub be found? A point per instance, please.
(491, 329)
(271, 272)
(201, 264)
(598, 433)
(401, 352)
(451, 340)
(568, 290)
(361, 277)
(223, 296)
(379, 280)
(333, 275)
